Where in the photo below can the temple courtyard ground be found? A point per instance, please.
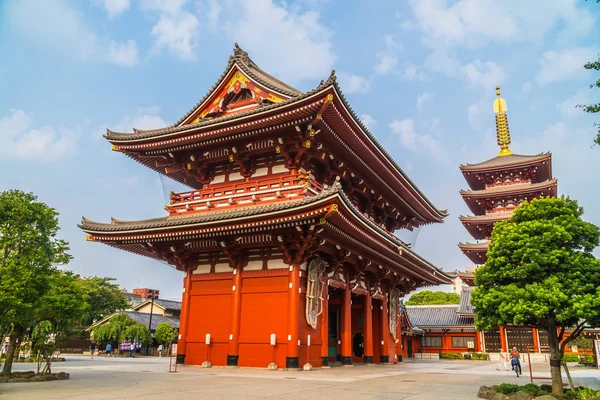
(148, 379)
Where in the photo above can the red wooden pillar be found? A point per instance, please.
(236, 314)
(325, 325)
(368, 317)
(398, 339)
(503, 340)
(184, 317)
(293, 346)
(385, 330)
(536, 341)
(346, 307)
(478, 341)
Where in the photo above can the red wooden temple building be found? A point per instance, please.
(497, 187)
(286, 236)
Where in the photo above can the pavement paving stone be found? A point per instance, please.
(148, 379)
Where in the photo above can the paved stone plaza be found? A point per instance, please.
(122, 378)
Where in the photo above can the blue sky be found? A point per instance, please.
(421, 73)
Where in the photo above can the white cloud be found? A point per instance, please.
(406, 131)
(568, 108)
(53, 24)
(116, 7)
(411, 72)
(407, 25)
(123, 53)
(386, 59)
(414, 142)
(142, 119)
(421, 99)
(475, 113)
(446, 26)
(59, 26)
(385, 62)
(526, 87)
(293, 45)
(353, 83)
(214, 9)
(368, 120)
(176, 28)
(488, 74)
(476, 23)
(20, 140)
(442, 60)
(558, 67)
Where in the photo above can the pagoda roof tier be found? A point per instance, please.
(330, 214)
(476, 199)
(480, 226)
(473, 172)
(324, 109)
(477, 252)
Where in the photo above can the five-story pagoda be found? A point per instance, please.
(500, 184)
(286, 238)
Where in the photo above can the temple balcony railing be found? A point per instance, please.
(257, 191)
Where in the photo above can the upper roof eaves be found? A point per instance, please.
(240, 60)
(442, 213)
(506, 161)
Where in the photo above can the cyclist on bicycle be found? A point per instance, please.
(516, 363)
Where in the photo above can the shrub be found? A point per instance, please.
(546, 388)
(507, 388)
(479, 356)
(587, 359)
(452, 356)
(534, 390)
(571, 358)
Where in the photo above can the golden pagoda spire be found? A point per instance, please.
(502, 132)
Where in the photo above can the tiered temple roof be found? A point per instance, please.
(500, 184)
(271, 167)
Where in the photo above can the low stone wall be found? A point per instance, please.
(30, 376)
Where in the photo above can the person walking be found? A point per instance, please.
(108, 350)
(92, 350)
(160, 350)
(502, 362)
(131, 349)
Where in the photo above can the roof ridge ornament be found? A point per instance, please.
(502, 131)
(240, 54)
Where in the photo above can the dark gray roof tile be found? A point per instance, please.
(436, 316)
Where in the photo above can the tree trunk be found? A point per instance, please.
(10, 353)
(556, 357)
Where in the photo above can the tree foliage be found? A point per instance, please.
(56, 315)
(593, 108)
(29, 254)
(103, 297)
(540, 272)
(430, 297)
(138, 333)
(114, 330)
(165, 334)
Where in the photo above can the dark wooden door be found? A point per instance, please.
(493, 343)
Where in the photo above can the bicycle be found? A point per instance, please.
(515, 366)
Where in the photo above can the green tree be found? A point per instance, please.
(29, 253)
(138, 333)
(103, 297)
(540, 272)
(430, 297)
(593, 108)
(57, 313)
(113, 331)
(165, 334)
